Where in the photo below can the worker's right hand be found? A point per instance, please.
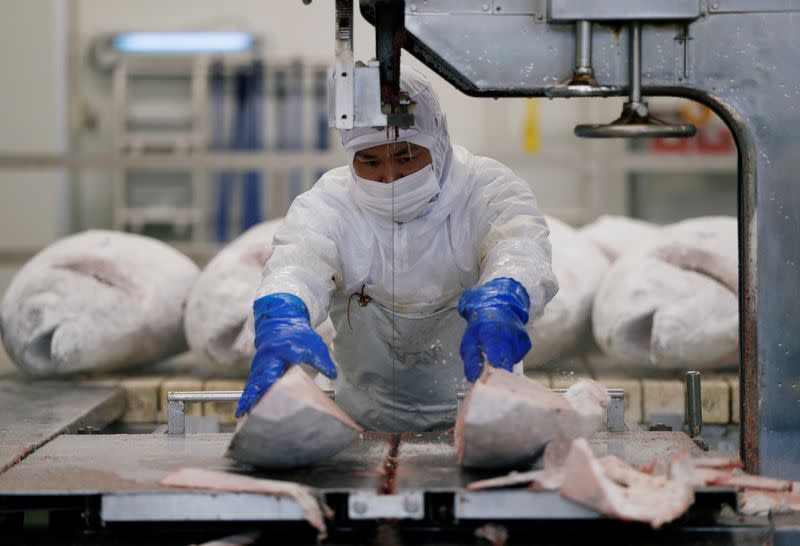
(284, 337)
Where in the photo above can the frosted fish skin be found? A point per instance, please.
(221, 301)
(219, 322)
(96, 301)
(579, 265)
(673, 304)
(618, 235)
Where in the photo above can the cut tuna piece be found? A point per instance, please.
(550, 477)
(749, 481)
(507, 419)
(294, 424)
(96, 301)
(314, 509)
(754, 502)
(716, 462)
(612, 487)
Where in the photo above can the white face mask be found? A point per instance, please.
(412, 194)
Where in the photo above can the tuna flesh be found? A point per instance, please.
(294, 424)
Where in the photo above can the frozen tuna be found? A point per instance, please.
(674, 304)
(218, 315)
(579, 267)
(96, 301)
(617, 235)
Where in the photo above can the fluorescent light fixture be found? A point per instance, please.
(166, 43)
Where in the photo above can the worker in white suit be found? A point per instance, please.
(429, 260)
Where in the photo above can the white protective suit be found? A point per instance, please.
(398, 356)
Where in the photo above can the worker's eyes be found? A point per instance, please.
(406, 158)
(368, 162)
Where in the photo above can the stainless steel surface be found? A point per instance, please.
(583, 47)
(582, 83)
(635, 71)
(176, 417)
(428, 461)
(630, 125)
(635, 120)
(743, 64)
(569, 90)
(120, 463)
(622, 10)
(176, 405)
(694, 404)
(615, 413)
(32, 413)
(367, 106)
(750, 6)
(379, 482)
(343, 78)
(204, 160)
(173, 506)
(204, 396)
(371, 505)
(518, 504)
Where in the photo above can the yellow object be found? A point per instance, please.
(223, 411)
(530, 137)
(696, 114)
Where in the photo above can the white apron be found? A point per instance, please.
(398, 372)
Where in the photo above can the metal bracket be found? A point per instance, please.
(563, 11)
(615, 413)
(368, 505)
(176, 405)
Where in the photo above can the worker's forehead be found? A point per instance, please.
(390, 148)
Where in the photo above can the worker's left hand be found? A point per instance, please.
(496, 314)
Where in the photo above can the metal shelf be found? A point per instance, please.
(283, 160)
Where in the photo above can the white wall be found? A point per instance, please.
(34, 205)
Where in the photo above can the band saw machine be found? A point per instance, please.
(736, 56)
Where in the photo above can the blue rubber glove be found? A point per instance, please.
(284, 337)
(496, 314)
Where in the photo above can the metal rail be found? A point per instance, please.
(152, 160)
(176, 406)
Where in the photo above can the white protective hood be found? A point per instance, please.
(429, 129)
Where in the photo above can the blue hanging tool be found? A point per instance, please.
(223, 180)
(252, 140)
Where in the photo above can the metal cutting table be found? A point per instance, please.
(105, 487)
(739, 57)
